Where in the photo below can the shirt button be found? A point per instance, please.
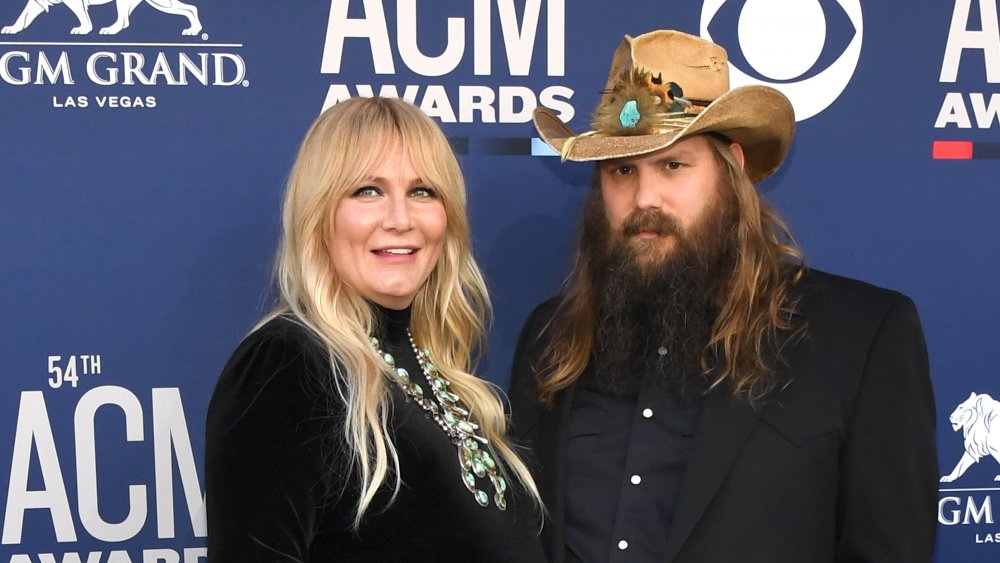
(647, 413)
(623, 545)
(636, 479)
(662, 351)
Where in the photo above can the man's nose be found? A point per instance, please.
(648, 194)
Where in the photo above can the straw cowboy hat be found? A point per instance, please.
(667, 85)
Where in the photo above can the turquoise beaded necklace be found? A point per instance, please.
(448, 411)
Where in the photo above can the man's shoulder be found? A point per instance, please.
(544, 311)
(841, 309)
(821, 290)
(540, 322)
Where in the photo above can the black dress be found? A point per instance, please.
(278, 484)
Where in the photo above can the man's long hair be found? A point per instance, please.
(756, 305)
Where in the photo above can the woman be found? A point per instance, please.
(346, 426)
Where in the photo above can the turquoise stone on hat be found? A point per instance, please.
(500, 501)
(416, 390)
(402, 374)
(500, 484)
(439, 383)
(629, 115)
(465, 426)
(470, 481)
(374, 341)
(482, 498)
(471, 444)
(488, 460)
(389, 359)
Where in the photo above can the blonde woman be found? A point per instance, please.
(347, 426)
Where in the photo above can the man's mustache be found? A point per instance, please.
(652, 221)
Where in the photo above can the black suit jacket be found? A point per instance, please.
(840, 465)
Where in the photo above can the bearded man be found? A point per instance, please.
(697, 394)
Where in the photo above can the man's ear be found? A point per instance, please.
(737, 151)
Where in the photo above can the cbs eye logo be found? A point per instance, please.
(807, 49)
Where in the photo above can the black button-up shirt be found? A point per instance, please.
(626, 453)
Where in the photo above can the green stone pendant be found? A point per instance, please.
(445, 408)
(470, 481)
(488, 461)
(478, 468)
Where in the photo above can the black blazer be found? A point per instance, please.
(839, 466)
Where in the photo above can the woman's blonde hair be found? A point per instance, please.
(343, 146)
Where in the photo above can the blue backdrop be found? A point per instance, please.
(142, 173)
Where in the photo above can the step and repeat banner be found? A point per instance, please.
(144, 145)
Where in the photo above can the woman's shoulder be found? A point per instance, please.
(285, 329)
(280, 365)
(280, 341)
(270, 444)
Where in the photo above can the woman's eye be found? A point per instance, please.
(366, 191)
(623, 170)
(673, 165)
(423, 192)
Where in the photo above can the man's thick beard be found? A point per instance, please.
(666, 305)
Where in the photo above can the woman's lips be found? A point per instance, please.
(396, 253)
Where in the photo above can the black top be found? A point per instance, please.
(278, 485)
(626, 451)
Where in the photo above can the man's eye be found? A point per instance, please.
(624, 170)
(673, 165)
(366, 191)
(423, 192)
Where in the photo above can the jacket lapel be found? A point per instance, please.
(722, 433)
(725, 426)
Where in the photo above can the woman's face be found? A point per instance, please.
(388, 232)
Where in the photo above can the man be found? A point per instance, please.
(698, 395)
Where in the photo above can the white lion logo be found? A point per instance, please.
(80, 8)
(979, 419)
